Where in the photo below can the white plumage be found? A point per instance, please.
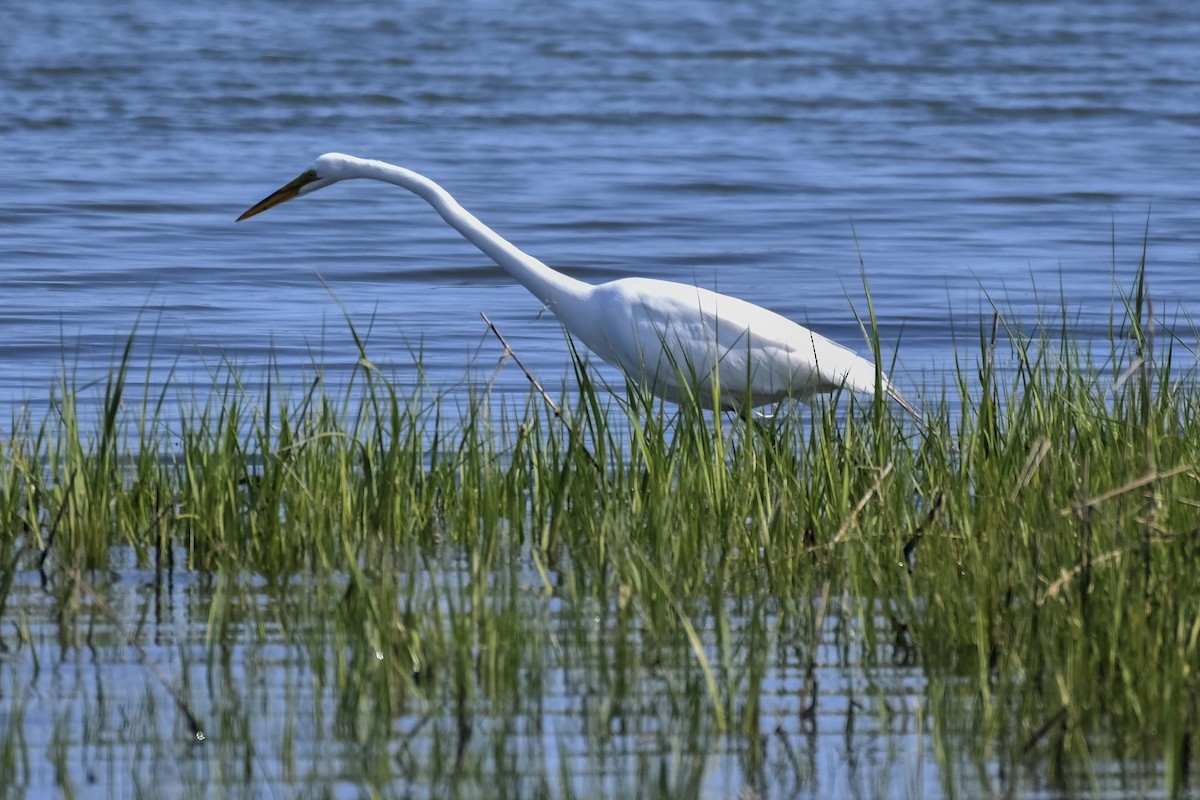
(660, 333)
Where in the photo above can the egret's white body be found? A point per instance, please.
(679, 341)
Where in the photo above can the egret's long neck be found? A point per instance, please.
(547, 285)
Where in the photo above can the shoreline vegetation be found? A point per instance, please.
(1033, 552)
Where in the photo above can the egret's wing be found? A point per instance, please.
(664, 333)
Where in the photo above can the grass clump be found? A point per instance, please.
(446, 574)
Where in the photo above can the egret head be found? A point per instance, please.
(326, 170)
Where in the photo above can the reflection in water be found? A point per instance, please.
(528, 687)
(1013, 154)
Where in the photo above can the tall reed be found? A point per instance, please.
(1031, 545)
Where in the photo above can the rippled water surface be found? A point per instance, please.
(756, 149)
(1005, 152)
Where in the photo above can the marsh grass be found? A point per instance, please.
(445, 574)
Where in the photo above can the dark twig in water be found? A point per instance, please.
(85, 586)
(537, 385)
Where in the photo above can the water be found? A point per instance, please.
(110, 717)
(1006, 151)
(972, 153)
(291, 708)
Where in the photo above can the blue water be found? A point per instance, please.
(969, 154)
(1007, 152)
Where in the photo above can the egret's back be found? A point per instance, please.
(663, 334)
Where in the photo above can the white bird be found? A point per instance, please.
(681, 342)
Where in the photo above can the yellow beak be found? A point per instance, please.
(281, 195)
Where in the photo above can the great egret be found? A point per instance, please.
(660, 333)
